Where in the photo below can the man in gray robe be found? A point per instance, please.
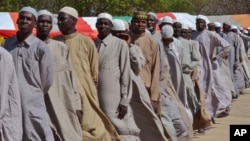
(151, 26)
(143, 111)
(32, 59)
(190, 59)
(115, 79)
(63, 102)
(172, 106)
(10, 103)
(235, 67)
(216, 102)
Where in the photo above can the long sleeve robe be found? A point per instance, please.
(140, 102)
(114, 84)
(190, 59)
(172, 106)
(63, 100)
(151, 71)
(34, 70)
(212, 85)
(11, 128)
(84, 59)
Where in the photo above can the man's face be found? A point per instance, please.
(184, 33)
(200, 24)
(151, 23)
(103, 26)
(65, 22)
(26, 22)
(120, 34)
(138, 26)
(189, 33)
(217, 29)
(177, 29)
(226, 27)
(44, 24)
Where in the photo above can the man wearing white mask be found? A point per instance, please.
(171, 69)
(143, 112)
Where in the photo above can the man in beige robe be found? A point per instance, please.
(10, 103)
(150, 73)
(114, 79)
(84, 59)
(63, 102)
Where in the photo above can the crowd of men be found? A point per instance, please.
(132, 83)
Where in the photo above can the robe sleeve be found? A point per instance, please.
(195, 58)
(220, 42)
(77, 97)
(237, 46)
(243, 36)
(93, 59)
(45, 67)
(155, 75)
(125, 78)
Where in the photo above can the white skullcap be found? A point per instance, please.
(166, 19)
(240, 28)
(193, 28)
(105, 16)
(248, 28)
(167, 31)
(233, 27)
(201, 17)
(118, 25)
(30, 10)
(126, 25)
(70, 10)
(245, 31)
(44, 12)
(217, 24)
(152, 14)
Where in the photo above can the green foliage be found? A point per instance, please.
(115, 7)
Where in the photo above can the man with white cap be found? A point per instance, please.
(63, 102)
(172, 106)
(11, 128)
(32, 59)
(235, 67)
(115, 79)
(217, 100)
(150, 73)
(84, 59)
(166, 20)
(189, 59)
(152, 22)
(143, 112)
(201, 118)
(217, 28)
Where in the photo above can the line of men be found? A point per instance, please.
(133, 83)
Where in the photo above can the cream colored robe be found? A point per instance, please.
(140, 101)
(11, 128)
(84, 59)
(114, 84)
(63, 100)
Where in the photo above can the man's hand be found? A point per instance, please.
(122, 111)
(225, 57)
(213, 59)
(236, 66)
(154, 105)
(79, 115)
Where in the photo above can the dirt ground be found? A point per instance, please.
(240, 114)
